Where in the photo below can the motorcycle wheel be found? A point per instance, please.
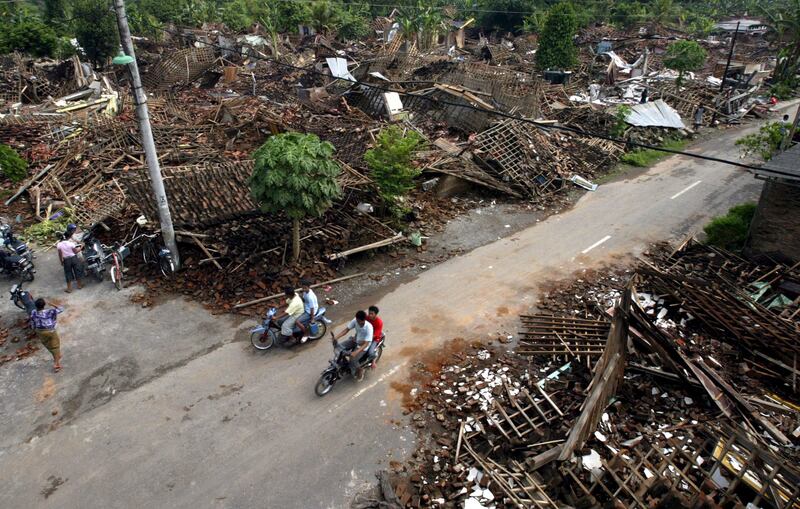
(262, 340)
(324, 384)
(322, 328)
(19, 304)
(28, 276)
(99, 275)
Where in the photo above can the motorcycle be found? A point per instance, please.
(15, 245)
(339, 367)
(94, 253)
(22, 298)
(16, 266)
(268, 333)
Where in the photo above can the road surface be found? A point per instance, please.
(226, 427)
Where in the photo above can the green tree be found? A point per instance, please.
(784, 20)
(390, 162)
(95, 28)
(354, 20)
(501, 15)
(163, 10)
(29, 36)
(556, 47)
(627, 14)
(683, 56)
(55, 12)
(12, 166)
(295, 174)
(288, 16)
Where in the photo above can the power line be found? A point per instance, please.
(500, 114)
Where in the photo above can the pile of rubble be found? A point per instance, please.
(627, 395)
(214, 97)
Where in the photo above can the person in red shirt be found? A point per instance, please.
(376, 322)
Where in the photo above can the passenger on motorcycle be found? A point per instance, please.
(294, 308)
(310, 303)
(377, 327)
(357, 344)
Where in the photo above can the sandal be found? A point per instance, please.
(56, 369)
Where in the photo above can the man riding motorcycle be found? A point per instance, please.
(290, 316)
(358, 344)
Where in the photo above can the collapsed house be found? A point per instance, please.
(491, 125)
(659, 388)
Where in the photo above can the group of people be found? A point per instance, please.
(301, 312)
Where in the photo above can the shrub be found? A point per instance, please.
(390, 162)
(620, 126)
(730, 231)
(49, 230)
(12, 165)
(765, 142)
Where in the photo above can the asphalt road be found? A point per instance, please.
(227, 427)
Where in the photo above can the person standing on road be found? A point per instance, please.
(43, 322)
(68, 251)
(698, 117)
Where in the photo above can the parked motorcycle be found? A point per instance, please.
(15, 245)
(268, 333)
(22, 298)
(94, 253)
(16, 266)
(340, 368)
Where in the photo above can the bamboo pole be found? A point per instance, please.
(275, 296)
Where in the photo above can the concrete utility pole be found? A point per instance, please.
(153, 167)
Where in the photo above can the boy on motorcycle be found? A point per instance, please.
(357, 344)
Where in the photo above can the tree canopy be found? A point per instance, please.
(95, 28)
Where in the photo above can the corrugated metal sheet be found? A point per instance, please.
(654, 114)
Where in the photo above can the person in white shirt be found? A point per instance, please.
(310, 303)
(357, 344)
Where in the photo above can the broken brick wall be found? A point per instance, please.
(775, 230)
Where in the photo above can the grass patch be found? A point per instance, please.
(730, 231)
(647, 157)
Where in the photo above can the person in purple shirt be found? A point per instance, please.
(43, 322)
